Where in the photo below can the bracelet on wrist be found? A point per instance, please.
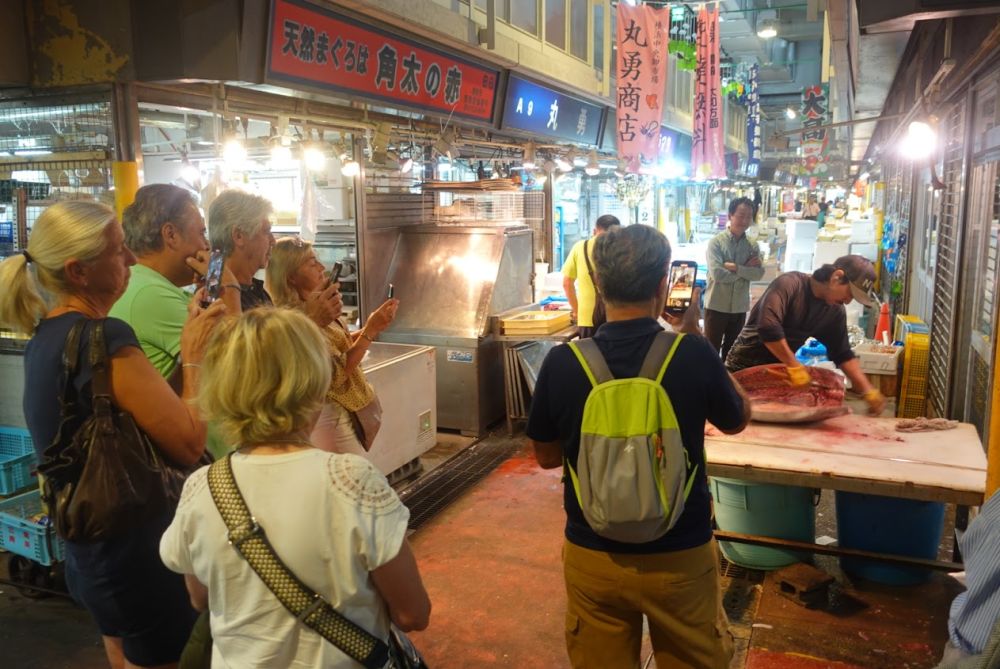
(365, 335)
(190, 364)
(232, 285)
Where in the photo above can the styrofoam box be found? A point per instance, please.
(876, 362)
(827, 252)
(798, 262)
(801, 229)
(869, 251)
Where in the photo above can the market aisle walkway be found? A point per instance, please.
(491, 562)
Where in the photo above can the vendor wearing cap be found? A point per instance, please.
(797, 306)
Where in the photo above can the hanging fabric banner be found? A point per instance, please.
(815, 142)
(708, 142)
(642, 76)
(753, 123)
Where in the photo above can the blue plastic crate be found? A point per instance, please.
(22, 534)
(17, 460)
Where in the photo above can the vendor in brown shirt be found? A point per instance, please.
(797, 306)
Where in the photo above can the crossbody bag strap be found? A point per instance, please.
(590, 268)
(304, 603)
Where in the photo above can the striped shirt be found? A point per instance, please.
(974, 613)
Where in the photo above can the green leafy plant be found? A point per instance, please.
(685, 51)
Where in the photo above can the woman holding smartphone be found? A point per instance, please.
(345, 424)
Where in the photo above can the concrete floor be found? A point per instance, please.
(491, 561)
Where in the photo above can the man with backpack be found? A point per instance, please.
(624, 413)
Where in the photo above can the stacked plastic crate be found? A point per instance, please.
(916, 339)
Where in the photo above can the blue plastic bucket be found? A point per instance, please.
(888, 525)
(782, 512)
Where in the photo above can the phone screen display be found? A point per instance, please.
(213, 278)
(681, 281)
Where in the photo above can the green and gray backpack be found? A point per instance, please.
(633, 473)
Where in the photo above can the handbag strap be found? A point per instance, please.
(53, 453)
(100, 382)
(305, 604)
(590, 269)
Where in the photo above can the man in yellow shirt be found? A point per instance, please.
(577, 280)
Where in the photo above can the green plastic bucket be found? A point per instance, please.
(779, 511)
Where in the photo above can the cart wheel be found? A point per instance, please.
(26, 574)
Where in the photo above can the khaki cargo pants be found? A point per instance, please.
(678, 592)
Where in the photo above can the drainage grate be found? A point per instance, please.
(442, 486)
(730, 570)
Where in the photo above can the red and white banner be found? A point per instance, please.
(707, 140)
(642, 77)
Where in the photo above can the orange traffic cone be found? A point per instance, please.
(882, 329)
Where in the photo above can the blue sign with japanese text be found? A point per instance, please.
(541, 110)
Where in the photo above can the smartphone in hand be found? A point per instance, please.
(335, 272)
(213, 278)
(681, 286)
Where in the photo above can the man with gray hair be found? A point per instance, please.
(239, 225)
(166, 231)
(672, 580)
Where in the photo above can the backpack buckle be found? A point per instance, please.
(243, 532)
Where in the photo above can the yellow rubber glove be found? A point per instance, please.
(875, 400)
(798, 376)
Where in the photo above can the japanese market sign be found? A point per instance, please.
(707, 143)
(541, 110)
(754, 138)
(641, 79)
(312, 46)
(815, 141)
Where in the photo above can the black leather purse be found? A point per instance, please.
(103, 475)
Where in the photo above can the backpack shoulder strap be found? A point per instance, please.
(592, 361)
(660, 353)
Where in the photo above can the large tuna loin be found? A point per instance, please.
(773, 400)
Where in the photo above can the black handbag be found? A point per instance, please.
(103, 475)
(600, 316)
(305, 604)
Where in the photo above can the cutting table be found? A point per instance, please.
(856, 453)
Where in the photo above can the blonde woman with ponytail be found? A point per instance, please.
(75, 267)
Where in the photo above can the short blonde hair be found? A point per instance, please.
(287, 256)
(264, 375)
(71, 230)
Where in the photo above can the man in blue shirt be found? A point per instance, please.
(673, 581)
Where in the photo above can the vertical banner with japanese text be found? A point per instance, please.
(642, 76)
(754, 138)
(708, 141)
(815, 139)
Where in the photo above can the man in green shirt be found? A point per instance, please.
(577, 281)
(166, 231)
(733, 262)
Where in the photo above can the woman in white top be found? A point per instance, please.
(332, 518)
